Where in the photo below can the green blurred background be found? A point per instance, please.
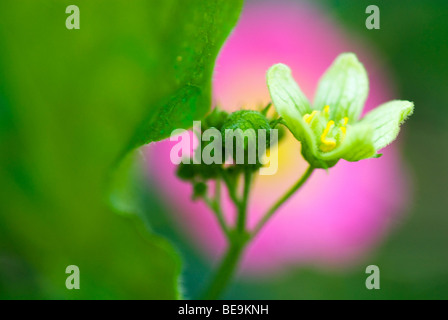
(71, 102)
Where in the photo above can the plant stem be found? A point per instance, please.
(237, 242)
(216, 208)
(282, 200)
(242, 206)
(230, 188)
(217, 196)
(239, 237)
(225, 270)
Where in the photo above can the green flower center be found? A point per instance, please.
(331, 134)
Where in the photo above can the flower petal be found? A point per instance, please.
(290, 103)
(386, 120)
(344, 87)
(285, 92)
(357, 145)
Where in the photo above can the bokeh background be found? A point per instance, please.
(40, 236)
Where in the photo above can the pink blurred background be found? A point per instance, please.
(338, 217)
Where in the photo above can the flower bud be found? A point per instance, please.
(241, 136)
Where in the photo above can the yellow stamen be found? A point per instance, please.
(309, 117)
(343, 128)
(327, 110)
(327, 145)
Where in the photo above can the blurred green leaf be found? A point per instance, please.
(189, 66)
(72, 102)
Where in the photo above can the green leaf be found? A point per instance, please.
(386, 120)
(71, 104)
(290, 103)
(356, 146)
(123, 185)
(344, 87)
(207, 24)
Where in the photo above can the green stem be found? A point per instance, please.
(282, 200)
(225, 270)
(237, 241)
(216, 208)
(230, 187)
(242, 206)
(238, 238)
(218, 192)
